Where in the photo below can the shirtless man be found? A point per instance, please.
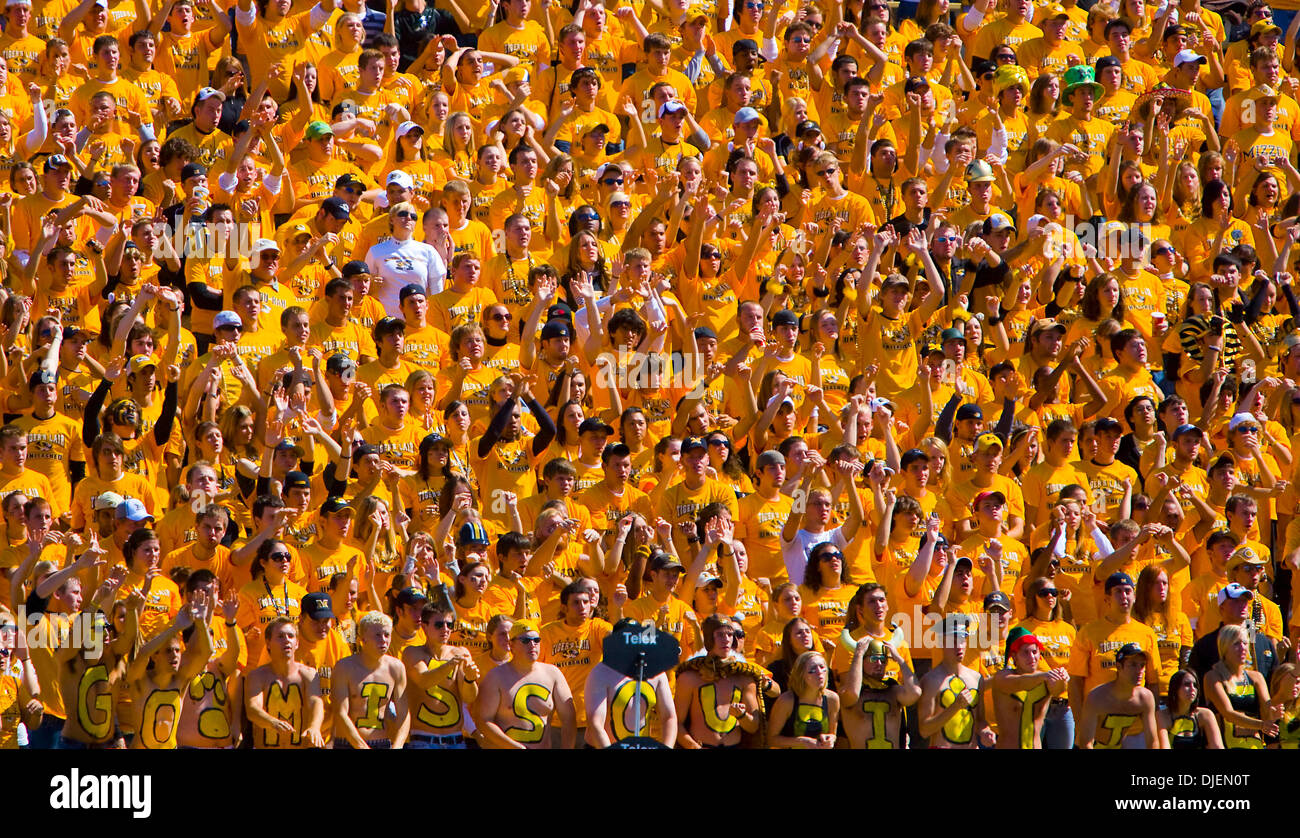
(156, 693)
(873, 704)
(714, 712)
(613, 705)
(208, 716)
(1115, 711)
(283, 698)
(1022, 694)
(443, 678)
(518, 698)
(951, 714)
(91, 673)
(369, 690)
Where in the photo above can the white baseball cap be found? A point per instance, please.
(401, 178)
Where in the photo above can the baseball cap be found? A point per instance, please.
(522, 627)
(559, 311)
(806, 127)
(339, 363)
(998, 221)
(969, 411)
(592, 129)
(955, 625)
(54, 161)
(1118, 578)
(1106, 62)
(593, 424)
(407, 127)
(400, 178)
(785, 317)
(365, 451)
(410, 290)
(995, 496)
(261, 246)
(336, 504)
(556, 329)
(336, 207)
(704, 332)
(951, 333)
(317, 605)
(211, 93)
(771, 457)
(226, 318)
(315, 130)
(133, 509)
(106, 500)
(985, 441)
(1187, 429)
(472, 532)
(1188, 56)
(910, 456)
(693, 443)
(1127, 651)
(1240, 419)
(297, 480)
(349, 179)
(1043, 325)
(672, 106)
(963, 560)
(411, 595)
(139, 362)
(1259, 27)
(706, 581)
(664, 561)
(746, 114)
(1235, 591)
(42, 377)
(1107, 423)
(997, 599)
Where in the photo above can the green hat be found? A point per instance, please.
(1020, 636)
(1081, 75)
(318, 129)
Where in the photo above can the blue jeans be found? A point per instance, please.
(1058, 728)
(46, 736)
(427, 742)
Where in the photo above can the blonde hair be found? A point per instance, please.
(1228, 637)
(374, 618)
(799, 672)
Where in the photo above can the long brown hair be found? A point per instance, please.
(1142, 608)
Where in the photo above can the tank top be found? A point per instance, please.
(1243, 698)
(806, 720)
(1185, 734)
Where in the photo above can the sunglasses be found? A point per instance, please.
(504, 318)
(738, 634)
(618, 204)
(1162, 251)
(758, 6)
(1046, 592)
(828, 555)
(944, 239)
(442, 624)
(1248, 429)
(826, 172)
(582, 218)
(612, 181)
(801, 40)
(531, 639)
(409, 216)
(711, 254)
(353, 190)
(719, 442)
(281, 557)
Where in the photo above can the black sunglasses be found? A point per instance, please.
(1162, 251)
(612, 181)
(281, 557)
(409, 216)
(442, 624)
(531, 639)
(1046, 592)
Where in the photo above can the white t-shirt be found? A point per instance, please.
(395, 265)
(795, 553)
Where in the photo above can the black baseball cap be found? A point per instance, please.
(594, 425)
(410, 290)
(336, 504)
(997, 599)
(1118, 578)
(354, 268)
(969, 411)
(411, 596)
(296, 480)
(336, 207)
(317, 605)
(557, 329)
(694, 443)
(785, 317)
